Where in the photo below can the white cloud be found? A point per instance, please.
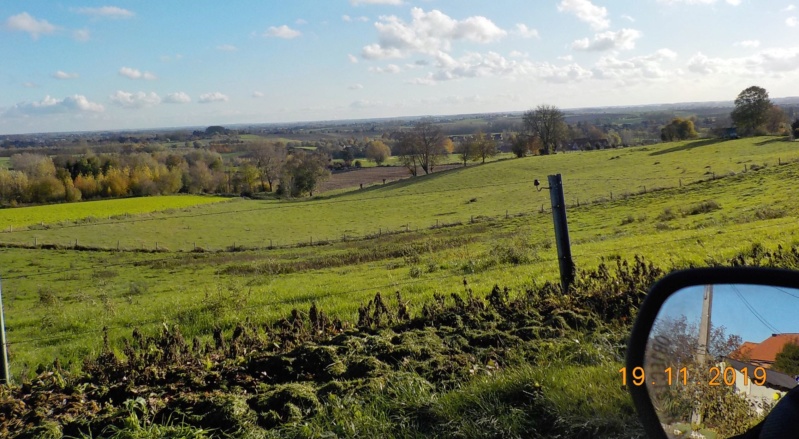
(748, 44)
(213, 97)
(789, 8)
(353, 59)
(628, 18)
(64, 75)
(348, 19)
(227, 48)
(700, 63)
(792, 21)
(595, 16)
(621, 40)
(284, 32)
(300, 22)
(30, 84)
(25, 22)
(167, 58)
(423, 81)
(562, 74)
(135, 100)
(132, 73)
(517, 54)
(257, 94)
(364, 103)
(491, 64)
(428, 33)
(106, 12)
(566, 58)
(640, 68)
(376, 2)
(355, 87)
(523, 31)
(699, 2)
(177, 98)
(81, 35)
(50, 105)
(391, 68)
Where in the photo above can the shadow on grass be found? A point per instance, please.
(688, 146)
(773, 140)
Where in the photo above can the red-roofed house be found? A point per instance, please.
(763, 353)
(750, 356)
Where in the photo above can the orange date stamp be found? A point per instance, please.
(717, 376)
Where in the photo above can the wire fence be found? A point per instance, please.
(615, 192)
(745, 228)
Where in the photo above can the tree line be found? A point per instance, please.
(38, 178)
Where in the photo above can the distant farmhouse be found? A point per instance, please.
(750, 356)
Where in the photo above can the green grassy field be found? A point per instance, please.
(97, 210)
(58, 300)
(453, 196)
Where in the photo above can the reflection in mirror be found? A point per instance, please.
(719, 357)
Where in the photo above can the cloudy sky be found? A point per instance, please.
(85, 65)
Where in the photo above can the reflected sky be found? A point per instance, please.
(754, 312)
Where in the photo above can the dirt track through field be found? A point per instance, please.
(370, 177)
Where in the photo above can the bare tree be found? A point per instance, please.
(406, 150)
(268, 158)
(546, 123)
(466, 150)
(429, 144)
(486, 147)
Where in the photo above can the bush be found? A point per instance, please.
(703, 207)
(667, 215)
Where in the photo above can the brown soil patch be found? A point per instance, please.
(369, 177)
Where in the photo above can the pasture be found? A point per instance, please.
(91, 211)
(445, 228)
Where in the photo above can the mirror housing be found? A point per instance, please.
(653, 303)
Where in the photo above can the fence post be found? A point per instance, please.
(4, 378)
(561, 232)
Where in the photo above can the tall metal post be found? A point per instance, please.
(561, 231)
(4, 377)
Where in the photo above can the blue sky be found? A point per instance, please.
(86, 65)
(776, 306)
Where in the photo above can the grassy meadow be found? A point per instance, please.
(90, 211)
(58, 299)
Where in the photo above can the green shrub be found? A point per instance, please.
(703, 207)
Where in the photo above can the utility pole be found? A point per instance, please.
(4, 378)
(704, 339)
(704, 325)
(561, 231)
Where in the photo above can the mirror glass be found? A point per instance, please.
(719, 357)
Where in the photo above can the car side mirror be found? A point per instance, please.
(714, 350)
